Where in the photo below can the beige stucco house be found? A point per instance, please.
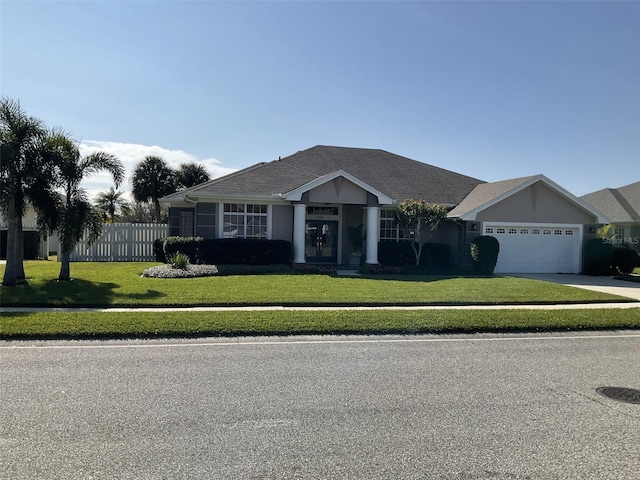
(312, 197)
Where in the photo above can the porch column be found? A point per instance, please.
(373, 233)
(299, 222)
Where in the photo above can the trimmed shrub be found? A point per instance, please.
(158, 250)
(598, 257)
(225, 251)
(249, 251)
(484, 254)
(624, 259)
(190, 246)
(400, 254)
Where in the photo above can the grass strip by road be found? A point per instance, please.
(52, 325)
(120, 284)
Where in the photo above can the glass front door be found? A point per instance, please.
(321, 241)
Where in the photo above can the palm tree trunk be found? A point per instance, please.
(19, 249)
(65, 274)
(157, 205)
(11, 269)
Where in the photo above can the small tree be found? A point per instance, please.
(76, 215)
(423, 218)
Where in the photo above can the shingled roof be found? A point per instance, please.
(395, 176)
(622, 204)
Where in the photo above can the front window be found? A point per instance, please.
(390, 228)
(243, 220)
(186, 224)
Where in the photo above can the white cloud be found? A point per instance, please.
(130, 154)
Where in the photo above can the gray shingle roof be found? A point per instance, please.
(396, 176)
(622, 204)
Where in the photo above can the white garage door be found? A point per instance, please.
(537, 248)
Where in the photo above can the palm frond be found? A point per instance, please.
(103, 161)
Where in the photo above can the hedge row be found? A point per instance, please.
(225, 251)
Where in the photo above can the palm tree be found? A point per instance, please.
(152, 179)
(191, 174)
(77, 216)
(25, 176)
(112, 203)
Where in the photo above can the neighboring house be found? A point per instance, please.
(622, 206)
(34, 246)
(312, 197)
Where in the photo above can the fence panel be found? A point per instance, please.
(121, 242)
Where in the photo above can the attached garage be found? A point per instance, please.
(541, 227)
(537, 247)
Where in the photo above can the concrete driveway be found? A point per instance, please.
(598, 284)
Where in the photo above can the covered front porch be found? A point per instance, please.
(335, 234)
(327, 210)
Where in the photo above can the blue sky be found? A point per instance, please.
(493, 90)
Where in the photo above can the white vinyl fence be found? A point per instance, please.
(121, 242)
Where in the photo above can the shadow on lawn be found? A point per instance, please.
(80, 293)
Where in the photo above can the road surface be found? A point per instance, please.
(443, 407)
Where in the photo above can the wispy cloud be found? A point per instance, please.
(130, 154)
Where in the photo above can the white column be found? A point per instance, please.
(373, 233)
(220, 221)
(299, 224)
(269, 221)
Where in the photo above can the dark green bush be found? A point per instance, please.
(249, 251)
(190, 246)
(400, 254)
(484, 254)
(158, 250)
(598, 257)
(225, 251)
(624, 259)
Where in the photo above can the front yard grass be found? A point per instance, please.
(120, 284)
(52, 325)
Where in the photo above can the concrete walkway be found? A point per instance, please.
(597, 284)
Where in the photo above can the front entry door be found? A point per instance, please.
(321, 241)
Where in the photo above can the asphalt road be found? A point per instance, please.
(444, 407)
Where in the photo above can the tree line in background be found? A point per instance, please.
(152, 179)
(44, 168)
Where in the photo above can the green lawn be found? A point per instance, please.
(120, 284)
(48, 325)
